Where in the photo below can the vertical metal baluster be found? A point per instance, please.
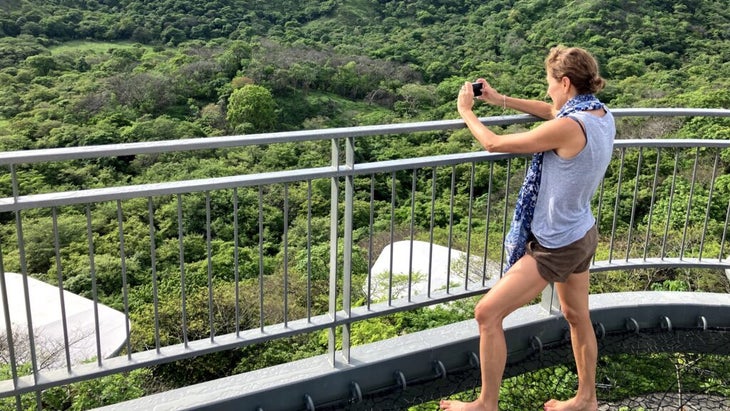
(209, 258)
(412, 232)
(9, 333)
(309, 250)
(94, 288)
(709, 203)
(370, 240)
(286, 255)
(671, 203)
(26, 289)
(261, 258)
(528, 163)
(506, 220)
(633, 203)
(616, 204)
(451, 229)
(181, 245)
(125, 283)
(236, 265)
(61, 296)
(487, 224)
(392, 236)
(468, 229)
(689, 203)
(347, 246)
(724, 232)
(652, 203)
(600, 208)
(153, 266)
(334, 226)
(430, 230)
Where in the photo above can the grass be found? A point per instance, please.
(95, 46)
(357, 9)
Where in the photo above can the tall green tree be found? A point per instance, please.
(251, 108)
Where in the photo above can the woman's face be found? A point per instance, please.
(555, 91)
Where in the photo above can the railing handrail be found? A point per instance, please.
(206, 143)
(74, 197)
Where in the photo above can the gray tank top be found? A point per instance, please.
(563, 210)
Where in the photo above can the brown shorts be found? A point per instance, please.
(556, 264)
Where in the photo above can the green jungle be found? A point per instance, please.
(85, 72)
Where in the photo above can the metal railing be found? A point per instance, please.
(647, 222)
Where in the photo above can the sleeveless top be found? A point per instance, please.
(563, 210)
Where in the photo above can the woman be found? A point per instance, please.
(557, 228)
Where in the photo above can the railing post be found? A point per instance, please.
(347, 247)
(550, 301)
(334, 204)
(8, 329)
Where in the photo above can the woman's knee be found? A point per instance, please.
(487, 314)
(575, 316)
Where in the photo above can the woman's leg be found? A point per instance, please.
(573, 296)
(519, 286)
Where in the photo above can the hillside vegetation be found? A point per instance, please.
(84, 72)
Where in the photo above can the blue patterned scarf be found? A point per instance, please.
(515, 242)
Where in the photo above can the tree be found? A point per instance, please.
(173, 36)
(42, 64)
(160, 128)
(252, 109)
(14, 50)
(147, 93)
(415, 98)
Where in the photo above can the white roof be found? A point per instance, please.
(45, 306)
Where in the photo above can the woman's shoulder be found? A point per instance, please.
(597, 113)
(599, 117)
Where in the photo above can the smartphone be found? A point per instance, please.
(477, 87)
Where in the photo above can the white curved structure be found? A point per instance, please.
(45, 305)
(419, 258)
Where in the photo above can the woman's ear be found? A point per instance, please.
(565, 83)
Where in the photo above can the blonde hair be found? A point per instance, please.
(576, 64)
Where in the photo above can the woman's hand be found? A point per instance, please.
(489, 94)
(465, 102)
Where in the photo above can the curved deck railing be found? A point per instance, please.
(647, 222)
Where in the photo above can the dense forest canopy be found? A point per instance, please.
(653, 51)
(83, 72)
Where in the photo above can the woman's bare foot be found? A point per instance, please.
(463, 406)
(572, 404)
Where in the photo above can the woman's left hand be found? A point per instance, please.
(465, 101)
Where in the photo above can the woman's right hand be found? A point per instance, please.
(489, 94)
